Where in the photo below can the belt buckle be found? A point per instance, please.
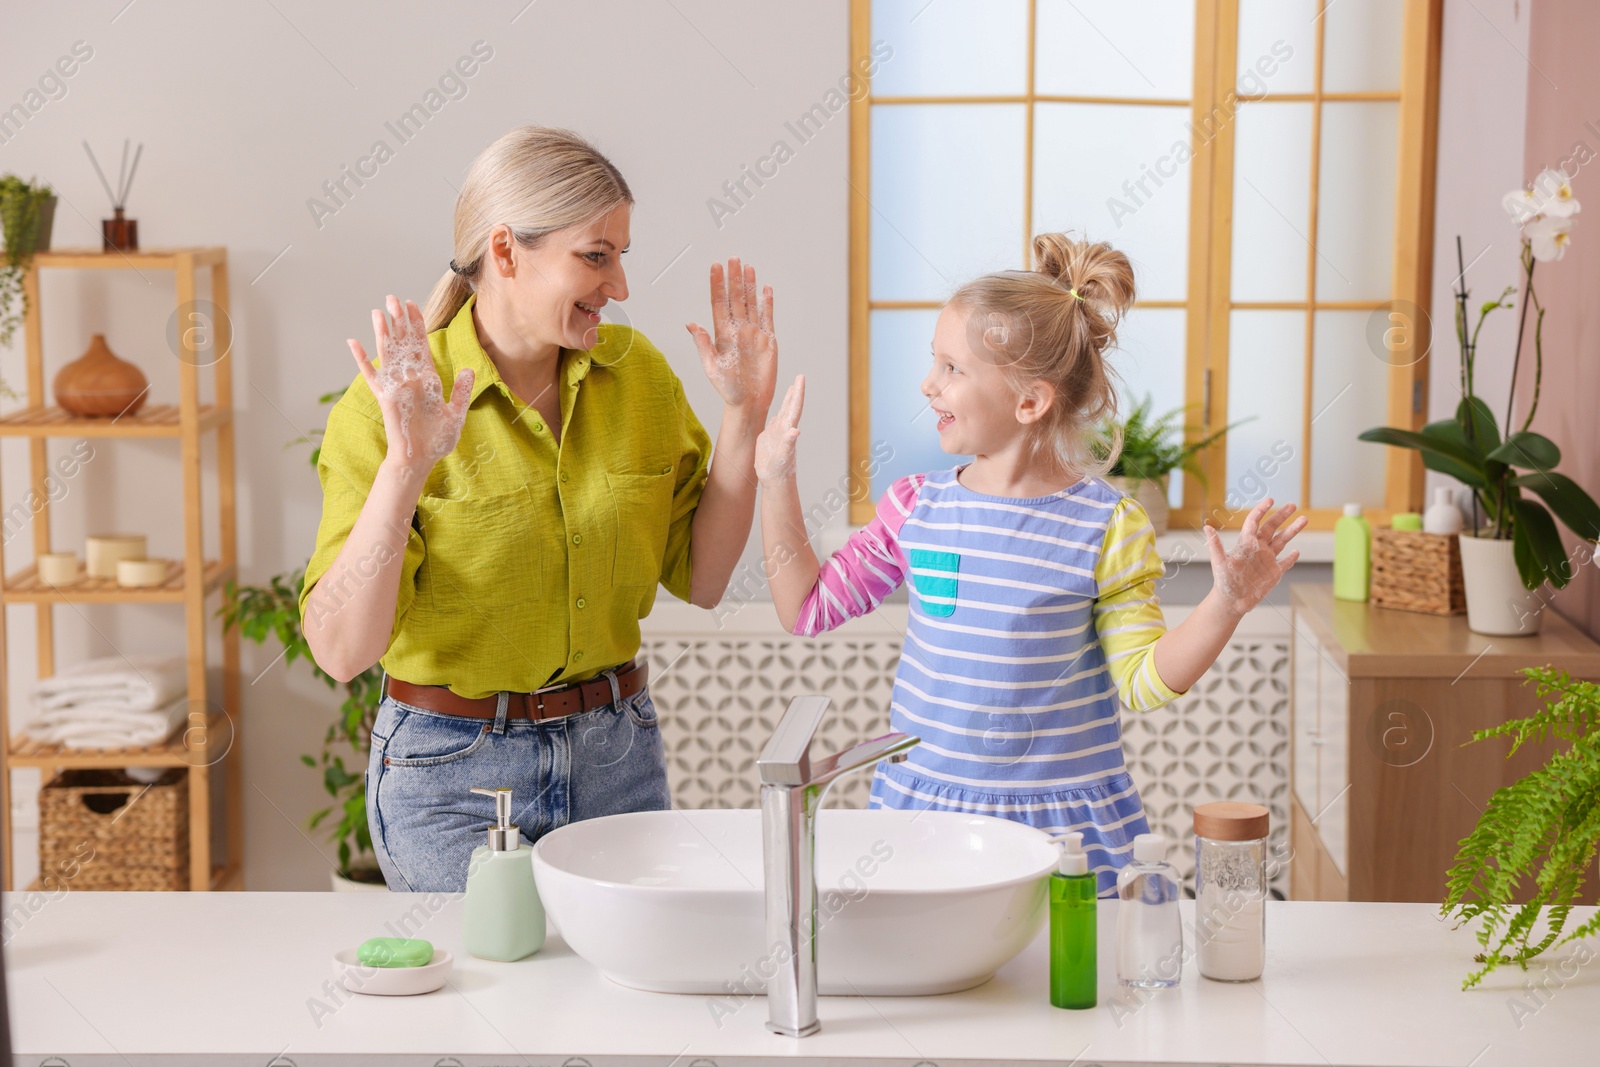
(538, 698)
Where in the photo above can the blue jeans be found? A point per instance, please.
(425, 822)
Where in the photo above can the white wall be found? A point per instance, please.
(244, 113)
(1483, 91)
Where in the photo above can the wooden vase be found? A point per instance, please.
(98, 384)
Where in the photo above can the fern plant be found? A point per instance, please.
(1545, 827)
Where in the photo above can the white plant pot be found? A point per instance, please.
(1151, 493)
(342, 884)
(1497, 601)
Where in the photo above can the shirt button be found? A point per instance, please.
(538, 426)
(582, 603)
(577, 538)
(666, 470)
(577, 657)
(563, 477)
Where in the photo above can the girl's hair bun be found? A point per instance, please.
(1101, 276)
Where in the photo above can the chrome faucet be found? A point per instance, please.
(792, 787)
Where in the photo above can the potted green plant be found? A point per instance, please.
(271, 613)
(1512, 547)
(1545, 827)
(1152, 448)
(27, 215)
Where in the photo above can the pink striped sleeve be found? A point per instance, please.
(868, 568)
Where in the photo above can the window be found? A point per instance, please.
(1267, 165)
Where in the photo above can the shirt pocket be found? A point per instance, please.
(483, 554)
(934, 575)
(643, 512)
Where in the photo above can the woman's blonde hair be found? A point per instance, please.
(534, 179)
(1055, 324)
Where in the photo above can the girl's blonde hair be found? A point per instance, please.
(1054, 324)
(534, 179)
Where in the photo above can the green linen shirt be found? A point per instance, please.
(527, 563)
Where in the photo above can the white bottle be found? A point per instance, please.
(1149, 930)
(1442, 516)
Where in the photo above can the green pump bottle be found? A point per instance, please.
(1074, 972)
(1352, 555)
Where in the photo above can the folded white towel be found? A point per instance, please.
(136, 683)
(89, 726)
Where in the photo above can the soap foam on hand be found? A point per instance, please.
(407, 360)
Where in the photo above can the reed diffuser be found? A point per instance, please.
(118, 233)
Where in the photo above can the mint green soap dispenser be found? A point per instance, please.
(502, 917)
(1352, 554)
(1074, 969)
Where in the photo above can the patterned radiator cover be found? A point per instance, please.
(721, 679)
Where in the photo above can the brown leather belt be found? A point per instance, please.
(550, 703)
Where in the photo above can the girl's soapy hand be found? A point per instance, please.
(775, 445)
(1241, 578)
(742, 361)
(421, 427)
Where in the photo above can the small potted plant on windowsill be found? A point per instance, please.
(1152, 448)
(272, 613)
(1512, 547)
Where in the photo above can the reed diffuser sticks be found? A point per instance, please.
(118, 233)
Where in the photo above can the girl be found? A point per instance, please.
(1034, 580)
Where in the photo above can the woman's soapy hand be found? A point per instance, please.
(1241, 578)
(742, 360)
(775, 445)
(421, 427)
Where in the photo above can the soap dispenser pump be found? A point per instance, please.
(502, 916)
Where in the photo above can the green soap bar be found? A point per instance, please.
(394, 952)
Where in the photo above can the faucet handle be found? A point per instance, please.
(786, 759)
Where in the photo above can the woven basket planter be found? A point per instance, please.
(139, 835)
(1415, 571)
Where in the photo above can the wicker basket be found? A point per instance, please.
(111, 832)
(1416, 571)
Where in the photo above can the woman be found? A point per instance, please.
(495, 548)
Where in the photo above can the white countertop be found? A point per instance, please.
(220, 978)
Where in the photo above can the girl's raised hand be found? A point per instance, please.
(775, 444)
(1244, 576)
(742, 360)
(421, 427)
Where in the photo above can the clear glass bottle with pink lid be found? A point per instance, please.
(1230, 889)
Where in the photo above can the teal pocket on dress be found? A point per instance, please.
(934, 576)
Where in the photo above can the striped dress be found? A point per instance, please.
(1030, 620)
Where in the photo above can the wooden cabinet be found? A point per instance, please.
(1381, 703)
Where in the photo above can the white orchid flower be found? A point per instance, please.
(1552, 190)
(1549, 237)
(1521, 205)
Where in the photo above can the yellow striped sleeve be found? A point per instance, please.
(1127, 613)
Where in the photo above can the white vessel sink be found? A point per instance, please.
(909, 903)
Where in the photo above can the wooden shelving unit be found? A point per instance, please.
(189, 581)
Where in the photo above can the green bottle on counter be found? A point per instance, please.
(1074, 971)
(1352, 554)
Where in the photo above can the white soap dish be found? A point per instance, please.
(349, 972)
